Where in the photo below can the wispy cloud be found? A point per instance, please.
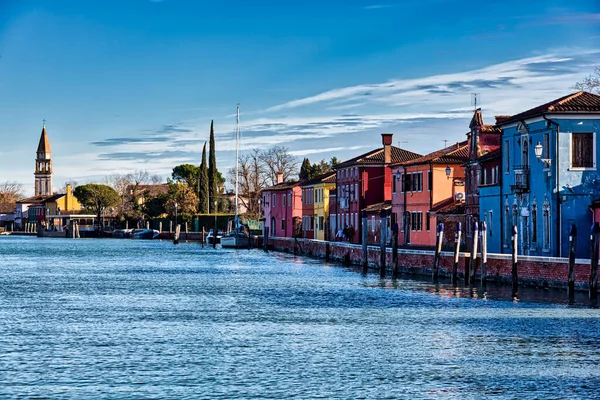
(307, 152)
(378, 6)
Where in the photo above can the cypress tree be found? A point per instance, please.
(203, 179)
(212, 171)
(305, 170)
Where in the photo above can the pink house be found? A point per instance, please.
(282, 208)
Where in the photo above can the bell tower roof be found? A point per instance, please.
(44, 146)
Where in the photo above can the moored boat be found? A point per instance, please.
(144, 234)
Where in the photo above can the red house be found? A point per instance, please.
(362, 182)
(483, 139)
(283, 207)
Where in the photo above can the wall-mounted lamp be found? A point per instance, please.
(398, 175)
(538, 154)
(448, 172)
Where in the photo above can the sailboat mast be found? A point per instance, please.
(237, 138)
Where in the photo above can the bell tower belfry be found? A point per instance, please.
(43, 166)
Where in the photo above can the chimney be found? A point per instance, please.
(279, 177)
(386, 139)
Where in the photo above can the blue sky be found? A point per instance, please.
(133, 84)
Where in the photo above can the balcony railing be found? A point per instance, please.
(521, 182)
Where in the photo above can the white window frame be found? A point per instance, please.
(571, 168)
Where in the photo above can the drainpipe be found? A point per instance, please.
(557, 178)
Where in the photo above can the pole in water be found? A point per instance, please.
(572, 247)
(457, 236)
(382, 247)
(594, 248)
(483, 234)
(473, 261)
(515, 273)
(203, 237)
(365, 249)
(438, 250)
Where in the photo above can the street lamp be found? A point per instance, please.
(539, 149)
(175, 215)
(448, 172)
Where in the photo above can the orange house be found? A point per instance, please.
(424, 185)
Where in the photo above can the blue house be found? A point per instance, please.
(549, 176)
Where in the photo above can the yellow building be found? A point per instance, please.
(64, 203)
(321, 205)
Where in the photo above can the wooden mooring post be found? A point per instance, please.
(395, 271)
(457, 236)
(572, 247)
(266, 239)
(383, 238)
(483, 233)
(594, 248)
(176, 236)
(203, 237)
(473, 260)
(515, 272)
(438, 250)
(365, 248)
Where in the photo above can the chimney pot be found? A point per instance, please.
(386, 139)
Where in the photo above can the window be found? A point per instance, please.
(493, 172)
(283, 200)
(485, 176)
(273, 200)
(416, 221)
(427, 222)
(402, 183)
(490, 222)
(373, 223)
(546, 226)
(393, 184)
(546, 145)
(407, 182)
(289, 199)
(506, 152)
(321, 223)
(582, 150)
(416, 182)
(283, 226)
(534, 224)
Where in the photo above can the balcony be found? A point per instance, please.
(521, 182)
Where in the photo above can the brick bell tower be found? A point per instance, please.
(43, 166)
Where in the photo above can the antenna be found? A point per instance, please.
(44, 123)
(474, 100)
(402, 141)
(445, 143)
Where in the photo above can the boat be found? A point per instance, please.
(209, 238)
(144, 234)
(238, 236)
(122, 233)
(5, 233)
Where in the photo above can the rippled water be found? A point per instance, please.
(147, 319)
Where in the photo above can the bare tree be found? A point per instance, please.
(157, 179)
(590, 83)
(71, 182)
(10, 192)
(276, 159)
(119, 182)
(251, 180)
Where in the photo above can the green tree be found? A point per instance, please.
(212, 170)
(155, 206)
(187, 173)
(333, 162)
(305, 170)
(96, 197)
(185, 197)
(203, 190)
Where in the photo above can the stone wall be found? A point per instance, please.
(532, 271)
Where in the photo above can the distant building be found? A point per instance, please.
(315, 206)
(282, 208)
(43, 166)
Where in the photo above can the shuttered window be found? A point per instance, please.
(582, 150)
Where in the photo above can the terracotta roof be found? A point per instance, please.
(282, 186)
(477, 121)
(376, 157)
(386, 205)
(35, 199)
(44, 145)
(328, 177)
(580, 102)
(501, 118)
(456, 154)
(7, 208)
(491, 155)
(454, 208)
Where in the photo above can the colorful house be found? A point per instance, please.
(550, 177)
(488, 195)
(483, 139)
(315, 206)
(424, 185)
(364, 181)
(282, 208)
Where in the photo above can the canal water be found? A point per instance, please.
(147, 319)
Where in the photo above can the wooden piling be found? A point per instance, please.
(473, 260)
(170, 226)
(160, 227)
(395, 270)
(266, 239)
(515, 273)
(365, 249)
(186, 232)
(483, 255)
(438, 250)
(594, 247)
(382, 244)
(457, 236)
(176, 236)
(572, 247)
(203, 236)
